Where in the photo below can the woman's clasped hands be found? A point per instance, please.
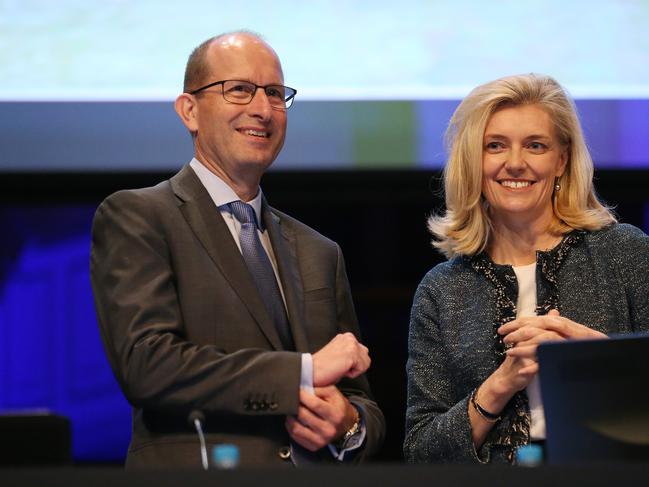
(523, 335)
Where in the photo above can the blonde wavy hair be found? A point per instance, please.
(464, 227)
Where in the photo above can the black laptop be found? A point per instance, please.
(596, 399)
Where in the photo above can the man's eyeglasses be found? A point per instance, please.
(242, 92)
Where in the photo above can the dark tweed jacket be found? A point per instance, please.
(599, 279)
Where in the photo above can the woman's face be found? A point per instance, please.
(521, 158)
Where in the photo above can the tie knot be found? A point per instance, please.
(243, 212)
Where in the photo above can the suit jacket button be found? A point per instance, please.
(285, 453)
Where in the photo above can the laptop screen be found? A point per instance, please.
(596, 399)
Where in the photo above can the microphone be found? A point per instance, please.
(196, 418)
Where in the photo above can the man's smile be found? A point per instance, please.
(254, 132)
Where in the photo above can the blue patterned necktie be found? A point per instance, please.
(261, 269)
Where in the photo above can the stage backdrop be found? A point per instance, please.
(86, 91)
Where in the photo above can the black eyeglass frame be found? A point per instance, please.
(288, 100)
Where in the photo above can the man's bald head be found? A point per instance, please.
(198, 69)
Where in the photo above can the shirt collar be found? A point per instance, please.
(220, 192)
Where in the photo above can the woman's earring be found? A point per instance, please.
(557, 186)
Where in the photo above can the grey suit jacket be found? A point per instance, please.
(185, 328)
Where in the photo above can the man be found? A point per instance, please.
(210, 300)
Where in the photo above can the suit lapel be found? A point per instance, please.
(206, 222)
(284, 246)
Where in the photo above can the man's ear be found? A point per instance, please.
(186, 109)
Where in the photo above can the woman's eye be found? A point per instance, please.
(493, 146)
(537, 147)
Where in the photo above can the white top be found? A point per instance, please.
(526, 306)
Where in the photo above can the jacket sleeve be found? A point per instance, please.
(357, 390)
(632, 249)
(437, 423)
(141, 323)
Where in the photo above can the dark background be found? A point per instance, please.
(377, 216)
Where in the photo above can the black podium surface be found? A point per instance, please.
(35, 438)
(374, 476)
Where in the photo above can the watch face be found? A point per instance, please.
(354, 429)
(350, 434)
(350, 440)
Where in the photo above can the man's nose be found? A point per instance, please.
(260, 104)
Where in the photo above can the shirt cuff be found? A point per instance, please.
(306, 375)
(306, 383)
(354, 443)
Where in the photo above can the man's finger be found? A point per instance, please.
(327, 392)
(302, 435)
(314, 404)
(312, 421)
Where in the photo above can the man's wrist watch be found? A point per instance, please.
(350, 433)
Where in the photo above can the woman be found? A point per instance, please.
(533, 256)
